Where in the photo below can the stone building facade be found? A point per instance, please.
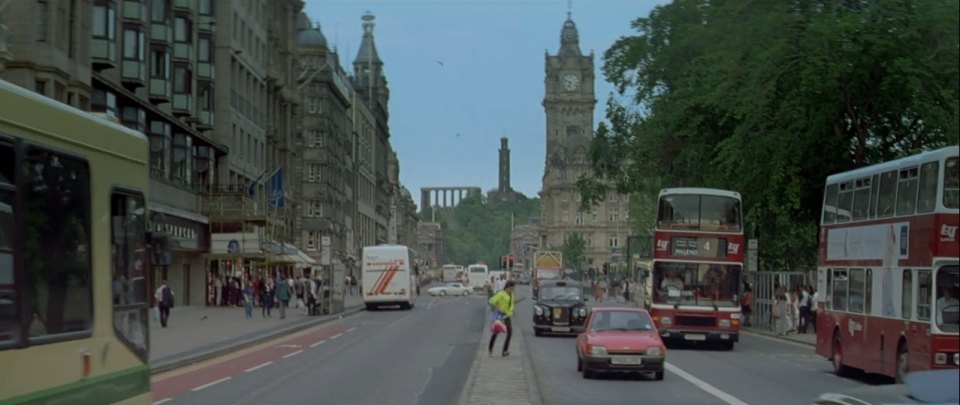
(569, 103)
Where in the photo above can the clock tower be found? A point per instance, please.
(569, 103)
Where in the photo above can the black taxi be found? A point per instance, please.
(560, 308)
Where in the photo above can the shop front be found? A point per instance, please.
(187, 239)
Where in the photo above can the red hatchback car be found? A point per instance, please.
(620, 339)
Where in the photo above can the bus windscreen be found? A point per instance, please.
(699, 212)
(698, 284)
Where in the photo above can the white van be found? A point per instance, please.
(388, 276)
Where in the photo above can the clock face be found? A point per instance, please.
(571, 82)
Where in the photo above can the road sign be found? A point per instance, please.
(548, 261)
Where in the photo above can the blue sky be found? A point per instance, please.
(491, 82)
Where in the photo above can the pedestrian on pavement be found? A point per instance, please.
(746, 305)
(283, 295)
(503, 303)
(806, 302)
(248, 301)
(626, 291)
(266, 297)
(164, 296)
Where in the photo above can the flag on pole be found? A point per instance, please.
(276, 188)
(252, 188)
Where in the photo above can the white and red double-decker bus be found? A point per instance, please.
(888, 268)
(697, 265)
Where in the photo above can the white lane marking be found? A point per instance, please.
(208, 385)
(351, 329)
(723, 396)
(163, 401)
(319, 343)
(336, 336)
(257, 367)
(293, 354)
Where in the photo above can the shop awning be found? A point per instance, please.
(286, 253)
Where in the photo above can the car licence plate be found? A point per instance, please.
(625, 360)
(560, 329)
(695, 337)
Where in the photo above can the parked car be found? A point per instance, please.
(919, 387)
(560, 308)
(620, 339)
(449, 289)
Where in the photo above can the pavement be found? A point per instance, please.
(194, 334)
(495, 379)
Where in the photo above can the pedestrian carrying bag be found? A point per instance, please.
(498, 326)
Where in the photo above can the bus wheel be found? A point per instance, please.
(838, 368)
(903, 363)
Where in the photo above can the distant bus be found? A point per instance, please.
(697, 265)
(450, 272)
(477, 275)
(888, 269)
(74, 309)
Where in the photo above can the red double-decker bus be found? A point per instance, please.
(888, 268)
(697, 265)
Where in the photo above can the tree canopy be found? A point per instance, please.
(475, 232)
(769, 97)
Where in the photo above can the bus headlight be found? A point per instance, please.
(582, 312)
(724, 323)
(538, 310)
(956, 359)
(940, 358)
(666, 321)
(735, 315)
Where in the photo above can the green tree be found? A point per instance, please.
(769, 97)
(573, 252)
(475, 232)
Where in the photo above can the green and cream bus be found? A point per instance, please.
(74, 257)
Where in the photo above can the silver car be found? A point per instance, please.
(450, 289)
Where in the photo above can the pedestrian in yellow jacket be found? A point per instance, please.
(503, 303)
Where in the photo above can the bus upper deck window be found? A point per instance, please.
(951, 183)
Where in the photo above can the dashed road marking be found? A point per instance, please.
(723, 396)
(293, 354)
(336, 336)
(288, 346)
(258, 367)
(163, 401)
(319, 343)
(351, 329)
(208, 385)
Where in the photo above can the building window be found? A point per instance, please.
(56, 195)
(160, 144)
(43, 9)
(205, 49)
(159, 11)
(315, 209)
(205, 96)
(134, 44)
(182, 78)
(182, 29)
(579, 219)
(160, 63)
(310, 241)
(40, 86)
(313, 105)
(105, 101)
(205, 7)
(105, 21)
(314, 172)
(62, 31)
(614, 242)
(181, 144)
(202, 165)
(134, 118)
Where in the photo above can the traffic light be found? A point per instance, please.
(503, 262)
(510, 262)
(605, 269)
